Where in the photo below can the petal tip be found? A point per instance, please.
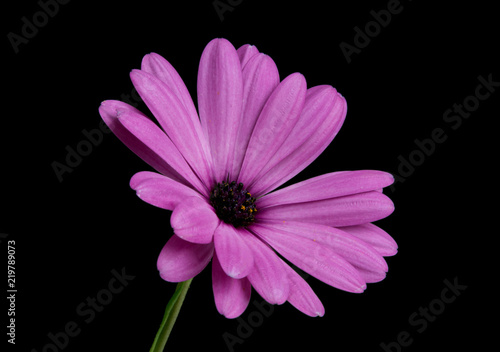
(134, 73)
(298, 77)
(230, 314)
(236, 274)
(320, 313)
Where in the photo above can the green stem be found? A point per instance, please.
(170, 316)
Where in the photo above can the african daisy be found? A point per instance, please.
(217, 169)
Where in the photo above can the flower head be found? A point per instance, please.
(216, 171)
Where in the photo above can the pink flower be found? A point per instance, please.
(216, 171)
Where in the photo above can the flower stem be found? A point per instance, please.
(170, 316)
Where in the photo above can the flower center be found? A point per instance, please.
(233, 204)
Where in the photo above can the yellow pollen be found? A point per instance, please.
(248, 193)
(243, 207)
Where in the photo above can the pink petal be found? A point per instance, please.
(182, 128)
(342, 211)
(318, 104)
(278, 117)
(302, 296)
(372, 276)
(160, 68)
(306, 153)
(330, 185)
(313, 257)
(268, 276)
(355, 251)
(160, 190)
(234, 255)
(194, 220)
(231, 295)
(380, 240)
(163, 70)
(220, 91)
(246, 52)
(109, 111)
(157, 141)
(260, 78)
(180, 260)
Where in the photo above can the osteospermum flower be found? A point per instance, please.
(216, 172)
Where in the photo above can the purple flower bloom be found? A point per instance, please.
(216, 171)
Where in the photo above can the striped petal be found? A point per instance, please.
(246, 52)
(371, 276)
(337, 212)
(310, 255)
(194, 220)
(268, 276)
(110, 110)
(307, 152)
(332, 185)
(235, 257)
(159, 190)
(318, 103)
(183, 130)
(180, 260)
(220, 92)
(278, 117)
(380, 240)
(260, 78)
(157, 141)
(231, 295)
(302, 296)
(355, 251)
(160, 68)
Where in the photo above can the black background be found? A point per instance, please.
(70, 235)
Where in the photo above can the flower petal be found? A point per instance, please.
(180, 260)
(157, 141)
(246, 52)
(332, 185)
(372, 276)
(109, 111)
(231, 295)
(194, 220)
(355, 251)
(260, 78)
(234, 255)
(337, 212)
(183, 130)
(160, 68)
(268, 276)
(306, 153)
(314, 258)
(160, 190)
(220, 92)
(318, 103)
(302, 296)
(278, 117)
(380, 240)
